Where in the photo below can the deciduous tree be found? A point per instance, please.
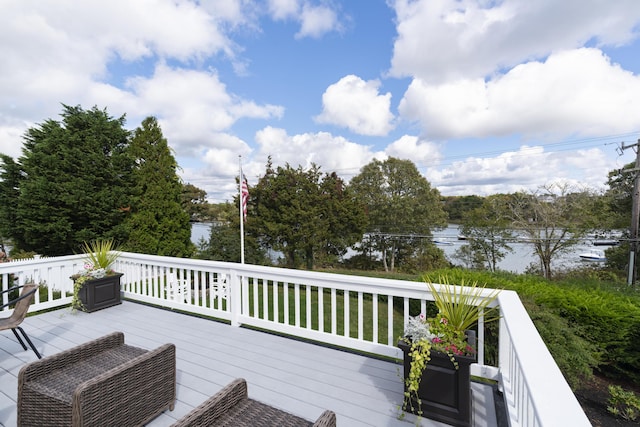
(400, 204)
(194, 202)
(488, 231)
(553, 220)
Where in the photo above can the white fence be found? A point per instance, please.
(361, 313)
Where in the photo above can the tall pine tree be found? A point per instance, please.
(157, 224)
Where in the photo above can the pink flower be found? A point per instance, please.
(444, 320)
(436, 340)
(422, 317)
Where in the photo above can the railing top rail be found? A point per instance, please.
(548, 388)
(340, 281)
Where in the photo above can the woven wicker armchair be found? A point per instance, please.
(102, 382)
(231, 406)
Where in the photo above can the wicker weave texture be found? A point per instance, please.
(103, 382)
(231, 406)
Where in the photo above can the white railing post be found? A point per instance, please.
(235, 303)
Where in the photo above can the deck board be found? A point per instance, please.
(300, 377)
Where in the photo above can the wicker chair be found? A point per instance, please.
(21, 306)
(102, 382)
(231, 406)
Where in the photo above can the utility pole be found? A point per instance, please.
(635, 215)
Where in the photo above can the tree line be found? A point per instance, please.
(386, 215)
(86, 177)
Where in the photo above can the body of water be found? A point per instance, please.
(200, 230)
(517, 261)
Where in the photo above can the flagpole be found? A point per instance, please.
(240, 202)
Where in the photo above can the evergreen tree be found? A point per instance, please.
(10, 177)
(158, 224)
(303, 214)
(69, 183)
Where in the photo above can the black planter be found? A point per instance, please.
(97, 294)
(445, 392)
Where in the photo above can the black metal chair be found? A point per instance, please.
(20, 307)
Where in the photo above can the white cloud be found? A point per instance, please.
(283, 9)
(61, 53)
(525, 169)
(315, 20)
(332, 153)
(412, 148)
(453, 39)
(577, 91)
(357, 105)
(192, 105)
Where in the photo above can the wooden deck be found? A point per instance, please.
(300, 377)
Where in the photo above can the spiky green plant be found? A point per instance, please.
(101, 253)
(464, 304)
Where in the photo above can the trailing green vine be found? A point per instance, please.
(420, 353)
(78, 283)
(459, 308)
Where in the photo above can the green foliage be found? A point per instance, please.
(10, 178)
(423, 256)
(575, 356)
(156, 222)
(303, 214)
(224, 245)
(619, 196)
(194, 202)
(607, 319)
(401, 206)
(100, 253)
(458, 207)
(68, 184)
(445, 332)
(553, 219)
(623, 403)
(463, 307)
(488, 232)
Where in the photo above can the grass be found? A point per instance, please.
(308, 314)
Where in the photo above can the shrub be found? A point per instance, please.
(593, 310)
(575, 356)
(623, 403)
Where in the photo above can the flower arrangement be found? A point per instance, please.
(99, 256)
(459, 308)
(440, 333)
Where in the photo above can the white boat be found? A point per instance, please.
(593, 255)
(441, 242)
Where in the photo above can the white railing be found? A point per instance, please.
(361, 313)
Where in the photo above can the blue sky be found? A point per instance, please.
(483, 96)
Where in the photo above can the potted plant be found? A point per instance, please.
(438, 352)
(97, 286)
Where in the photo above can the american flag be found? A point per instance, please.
(244, 194)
